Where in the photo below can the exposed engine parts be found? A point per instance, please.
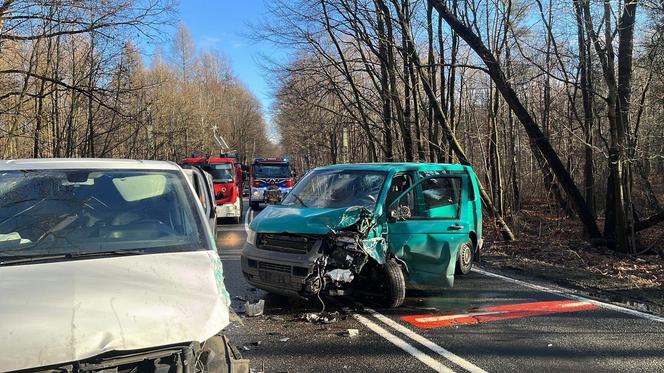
(342, 257)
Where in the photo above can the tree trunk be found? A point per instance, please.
(531, 128)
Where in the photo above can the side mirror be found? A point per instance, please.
(400, 213)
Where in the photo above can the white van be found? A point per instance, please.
(107, 265)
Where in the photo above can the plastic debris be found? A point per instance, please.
(340, 275)
(245, 348)
(353, 333)
(284, 339)
(255, 309)
(320, 318)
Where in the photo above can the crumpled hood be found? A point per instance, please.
(54, 313)
(301, 220)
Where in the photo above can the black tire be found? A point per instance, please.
(254, 205)
(395, 284)
(465, 259)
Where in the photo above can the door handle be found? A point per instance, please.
(455, 227)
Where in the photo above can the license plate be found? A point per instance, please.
(273, 277)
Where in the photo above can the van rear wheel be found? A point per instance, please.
(395, 284)
(465, 259)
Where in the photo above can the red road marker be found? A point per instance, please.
(496, 313)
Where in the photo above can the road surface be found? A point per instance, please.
(486, 323)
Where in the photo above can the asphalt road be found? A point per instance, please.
(485, 323)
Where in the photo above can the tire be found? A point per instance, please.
(395, 284)
(254, 205)
(464, 261)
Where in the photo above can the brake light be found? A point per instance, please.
(287, 183)
(257, 184)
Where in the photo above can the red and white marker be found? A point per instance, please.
(496, 313)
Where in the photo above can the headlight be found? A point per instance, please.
(251, 236)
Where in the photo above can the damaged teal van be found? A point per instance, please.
(367, 228)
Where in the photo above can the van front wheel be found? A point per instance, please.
(465, 259)
(395, 284)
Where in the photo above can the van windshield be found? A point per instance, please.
(337, 188)
(269, 171)
(53, 212)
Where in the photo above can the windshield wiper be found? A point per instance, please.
(299, 200)
(15, 259)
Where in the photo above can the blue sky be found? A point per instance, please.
(223, 25)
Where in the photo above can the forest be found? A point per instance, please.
(74, 83)
(552, 103)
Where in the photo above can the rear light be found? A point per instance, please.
(256, 184)
(287, 184)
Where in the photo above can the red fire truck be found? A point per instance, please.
(271, 179)
(227, 179)
(193, 161)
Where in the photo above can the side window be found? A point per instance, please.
(398, 185)
(200, 190)
(441, 198)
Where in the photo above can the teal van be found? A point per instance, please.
(367, 228)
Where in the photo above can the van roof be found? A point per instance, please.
(392, 166)
(85, 163)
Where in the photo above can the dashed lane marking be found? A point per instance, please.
(565, 294)
(405, 346)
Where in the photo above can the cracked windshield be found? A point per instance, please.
(331, 186)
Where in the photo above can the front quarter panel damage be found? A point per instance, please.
(345, 251)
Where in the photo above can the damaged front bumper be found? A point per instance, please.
(216, 354)
(305, 265)
(277, 272)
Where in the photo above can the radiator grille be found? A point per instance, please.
(285, 243)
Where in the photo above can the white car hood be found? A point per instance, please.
(54, 313)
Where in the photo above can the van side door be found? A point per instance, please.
(428, 238)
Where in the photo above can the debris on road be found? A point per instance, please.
(284, 339)
(320, 317)
(353, 332)
(240, 298)
(255, 309)
(245, 348)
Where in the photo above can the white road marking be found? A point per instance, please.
(562, 293)
(419, 355)
(463, 363)
(230, 229)
(246, 220)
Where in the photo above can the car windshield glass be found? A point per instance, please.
(53, 212)
(336, 188)
(271, 171)
(221, 172)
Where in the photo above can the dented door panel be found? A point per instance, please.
(429, 254)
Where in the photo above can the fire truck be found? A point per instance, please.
(227, 179)
(271, 179)
(193, 161)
